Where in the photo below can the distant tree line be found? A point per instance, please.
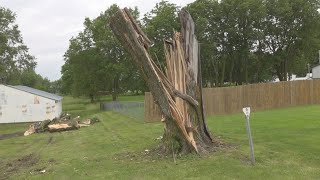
(241, 42)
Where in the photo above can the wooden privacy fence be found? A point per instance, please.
(227, 100)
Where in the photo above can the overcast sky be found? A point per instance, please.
(47, 25)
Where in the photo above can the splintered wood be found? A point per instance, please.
(175, 91)
(176, 71)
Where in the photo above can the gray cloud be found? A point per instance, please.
(47, 25)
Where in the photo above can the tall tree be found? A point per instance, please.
(95, 61)
(83, 71)
(249, 41)
(119, 69)
(14, 55)
(228, 32)
(241, 27)
(292, 30)
(159, 24)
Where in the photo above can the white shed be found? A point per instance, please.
(25, 104)
(316, 72)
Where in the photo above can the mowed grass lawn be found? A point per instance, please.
(286, 142)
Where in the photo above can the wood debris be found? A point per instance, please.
(63, 123)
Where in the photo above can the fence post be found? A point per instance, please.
(311, 91)
(291, 95)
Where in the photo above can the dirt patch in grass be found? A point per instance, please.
(20, 163)
(11, 135)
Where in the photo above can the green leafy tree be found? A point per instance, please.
(80, 73)
(291, 35)
(159, 24)
(67, 77)
(249, 41)
(228, 32)
(241, 27)
(55, 86)
(95, 62)
(241, 41)
(14, 55)
(121, 74)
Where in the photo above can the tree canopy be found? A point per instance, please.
(14, 55)
(241, 41)
(95, 62)
(17, 66)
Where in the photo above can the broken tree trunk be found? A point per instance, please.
(178, 93)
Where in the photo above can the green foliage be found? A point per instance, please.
(95, 61)
(16, 64)
(32, 79)
(241, 41)
(14, 55)
(291, 35)
(254, 40)
(94, 120)
(159, 24)
(55, 86)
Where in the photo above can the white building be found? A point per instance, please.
(294, 77)
(25, 104)
(316, 72)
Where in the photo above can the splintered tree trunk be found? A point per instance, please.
(177, 92)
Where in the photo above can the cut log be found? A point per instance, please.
(178, 91)
(72, 125)
(53, 127)
(30, 131)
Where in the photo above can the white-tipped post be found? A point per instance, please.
(246, 112)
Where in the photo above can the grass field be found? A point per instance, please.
(287, 146)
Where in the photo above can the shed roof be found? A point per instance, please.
(38, 92)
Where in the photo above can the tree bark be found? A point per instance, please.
(178, 92)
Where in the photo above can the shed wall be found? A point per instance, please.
(316, 72)
(20, 106)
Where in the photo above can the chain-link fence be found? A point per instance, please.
(134, 110)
